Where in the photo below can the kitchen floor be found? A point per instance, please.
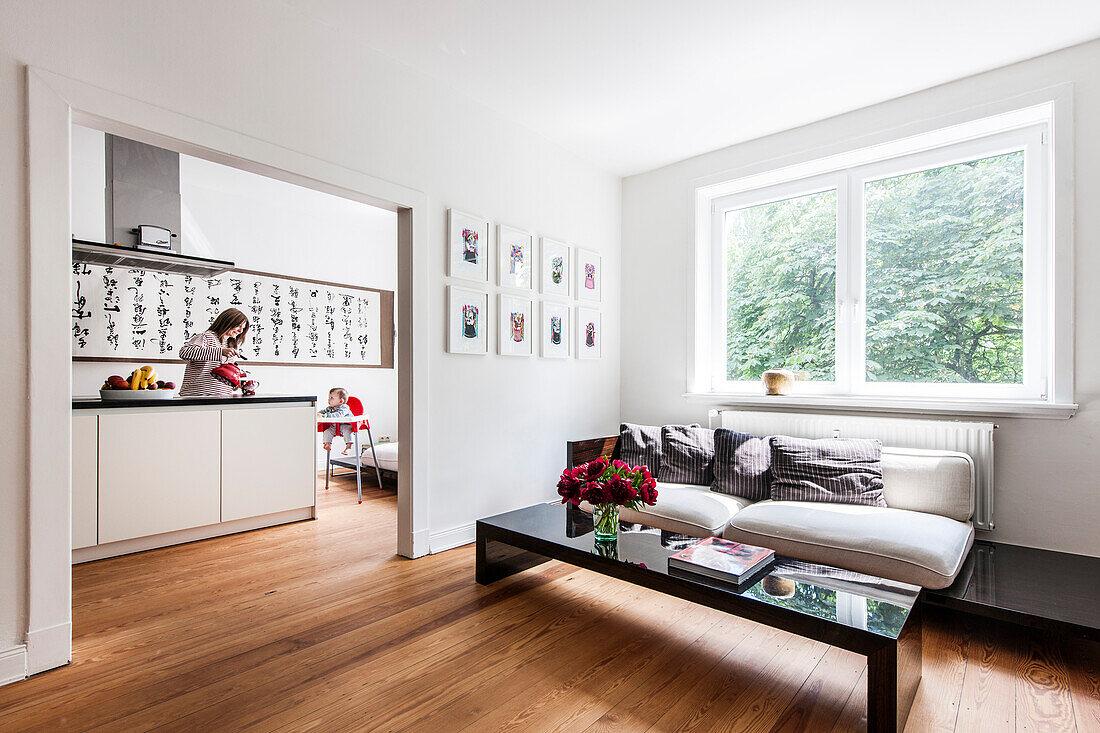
(319, 625)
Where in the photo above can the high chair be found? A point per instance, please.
(360, 421)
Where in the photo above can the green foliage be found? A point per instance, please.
(781, 270)
(944, 276)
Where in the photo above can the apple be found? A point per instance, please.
(169, 385)
(152, 386)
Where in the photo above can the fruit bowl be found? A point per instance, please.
(137, 394)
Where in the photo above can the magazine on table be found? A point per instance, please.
(714, 557)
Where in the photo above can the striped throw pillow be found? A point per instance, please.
(640, 445)
(686, 454)
(742, 464)
(833, 470)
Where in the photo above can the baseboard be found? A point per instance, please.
(451, 538)
(13, 664)
(141, 544)
(50, 647)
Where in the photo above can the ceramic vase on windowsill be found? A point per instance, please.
(606, 486)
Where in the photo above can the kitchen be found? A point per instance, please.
(162, 244)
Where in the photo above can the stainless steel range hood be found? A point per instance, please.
(142, 186)
(112, 255)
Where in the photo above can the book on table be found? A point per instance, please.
(721, 559)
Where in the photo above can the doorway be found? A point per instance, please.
(54, 103)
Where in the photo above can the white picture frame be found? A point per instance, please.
(467, 313)
(554, 336)
(554, 272)
(467, 246)
(589, 276)
(515, 258)
(589, 328)
(516, 318)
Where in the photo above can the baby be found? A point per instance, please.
(337, 407)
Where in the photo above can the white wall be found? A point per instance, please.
(1046, 470)
(270, 226)
(498, 425)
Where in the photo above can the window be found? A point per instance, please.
(917, 270)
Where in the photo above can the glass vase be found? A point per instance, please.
(605, 520)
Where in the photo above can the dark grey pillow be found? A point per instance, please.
(640, 445)
(686, 454)
(742, 464)
(833, 470)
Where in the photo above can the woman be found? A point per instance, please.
(213, 347)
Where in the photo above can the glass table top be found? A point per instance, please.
(850, 599)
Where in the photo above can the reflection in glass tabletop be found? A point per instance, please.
(850, 599)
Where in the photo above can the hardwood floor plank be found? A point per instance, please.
(820, 700)
(569, 691)
(988, 699)
(1043, 700)
(854, 715)
(1084, 683)
(660, 691)
(757, 706)
(738, 668)
(946, 648)
(398, 650)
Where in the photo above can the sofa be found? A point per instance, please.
(921, 537)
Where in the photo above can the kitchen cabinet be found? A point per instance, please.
(154, 472)
(160, 471)
(267, 460)
(85, 480)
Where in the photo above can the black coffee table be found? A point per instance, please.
(871, 616)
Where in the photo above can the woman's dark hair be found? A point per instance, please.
(228, 319)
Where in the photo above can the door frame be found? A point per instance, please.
(54, 102)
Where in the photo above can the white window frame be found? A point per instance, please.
(1047, 387)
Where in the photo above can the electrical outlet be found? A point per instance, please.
(385, 439)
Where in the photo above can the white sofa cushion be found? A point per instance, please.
(912, 547)
(685, 509)
(932, 481)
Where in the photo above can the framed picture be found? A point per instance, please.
(589, 333)
(589, 275)
(555, 330)
(554, 266)
(467, 246)
(515, 257)
(515, 325)
(467, 321)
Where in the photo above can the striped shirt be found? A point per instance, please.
(203, 352)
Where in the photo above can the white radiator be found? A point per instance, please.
(973, 438)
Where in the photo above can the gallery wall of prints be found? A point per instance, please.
(145, 315)
(521, 319)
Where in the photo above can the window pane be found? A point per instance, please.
(945, 251)
(781, 287)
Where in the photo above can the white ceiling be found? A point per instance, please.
(634, 84)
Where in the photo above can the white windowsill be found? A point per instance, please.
(879, 404)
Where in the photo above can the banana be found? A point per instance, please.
(135, 379)
(148, 376)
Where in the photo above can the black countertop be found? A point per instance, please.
(84, 403)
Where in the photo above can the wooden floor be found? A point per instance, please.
(319, 626)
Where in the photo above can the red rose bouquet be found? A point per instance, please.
(607, 485)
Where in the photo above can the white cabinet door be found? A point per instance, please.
(267, 460)
(158, 472)
(85, 480)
